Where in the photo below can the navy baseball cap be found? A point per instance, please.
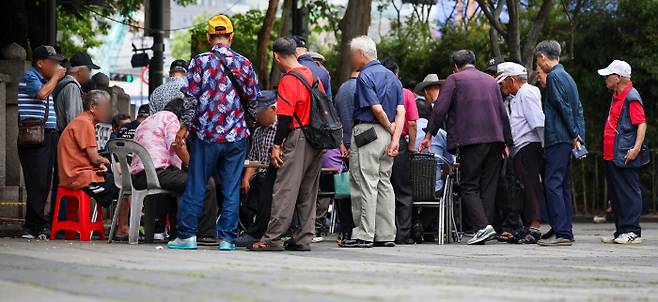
(265, 100)
(83, 59)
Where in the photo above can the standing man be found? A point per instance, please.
(298, 164)
(624, 152)
(527, 124)
(471, 106)
(306, 59)
(68, 92)
(378, 122)
(344, 103)
(564, 130)
(36, 102)
(400, 177)
(216, 117)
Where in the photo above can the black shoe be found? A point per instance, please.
(356, 243)
(531, 237)
(207, 241)
(384, 244)
(418, 232)
(294, 247)
(27, 234)
(548, 234)
(404, 242)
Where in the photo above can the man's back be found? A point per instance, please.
(318, 71)
(219, 116)
(344, 103)
(471, 104)
(156, 134)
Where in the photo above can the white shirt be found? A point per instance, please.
(526, 117)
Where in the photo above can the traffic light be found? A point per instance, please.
(121, 77)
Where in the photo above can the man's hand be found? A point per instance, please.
(576, 143)
(244, 187)
(344, 153)
(181, 136)
(393, 148)
(426, 143)
(59, 73)
(506, 152)
(103, 161)
(631, 155)
(102, 169)
(277, 156)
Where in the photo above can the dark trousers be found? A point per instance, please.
(625, 197)
(103, 193)
(259, 202)
(480, 167)
(401, 181)
(174, 179)
(344, 215)
(38, 163)
(557, 185)
(322, 207)
(527, 166)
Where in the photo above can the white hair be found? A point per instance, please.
(365, 44)
(75, 69)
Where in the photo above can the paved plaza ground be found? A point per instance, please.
(588, 271)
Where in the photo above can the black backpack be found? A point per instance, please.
(324, 130)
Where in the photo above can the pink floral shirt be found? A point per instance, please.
(156, 134)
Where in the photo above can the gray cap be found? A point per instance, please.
(265, 100)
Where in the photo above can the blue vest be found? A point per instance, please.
(626, 135)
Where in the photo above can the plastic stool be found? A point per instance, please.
(83, 226)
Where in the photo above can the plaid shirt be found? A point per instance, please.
(263, 139)
(212, 108)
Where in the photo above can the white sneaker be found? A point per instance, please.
(159, 236)
(628, 238)
(483, 235)
(609, 239)
(317, 239)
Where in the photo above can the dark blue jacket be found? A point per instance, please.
(318, 71)
(562, 108)
(627, 134)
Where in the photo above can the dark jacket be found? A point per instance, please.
(627, 134)
(470, 108)
(318, 71)
(562, 108)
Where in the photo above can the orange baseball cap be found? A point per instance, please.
(220, 24)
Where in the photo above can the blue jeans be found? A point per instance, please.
(206, 159)
(557, 184)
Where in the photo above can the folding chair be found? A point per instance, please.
(423, 180)
(122, 149)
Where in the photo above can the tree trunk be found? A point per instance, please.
(513, 38)
(533, 33)
(286, 18)
(355, 23)
(262, 62)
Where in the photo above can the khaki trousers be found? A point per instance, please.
(295, 188)
(373, 199)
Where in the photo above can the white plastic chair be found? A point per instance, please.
(122, 149)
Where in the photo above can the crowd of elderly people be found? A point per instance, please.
(210, 116)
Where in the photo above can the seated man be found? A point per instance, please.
(157, 134)
(79, 164)
(257, 183)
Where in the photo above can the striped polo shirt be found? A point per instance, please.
(31, 107)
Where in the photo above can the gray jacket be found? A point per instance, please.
(68, 101)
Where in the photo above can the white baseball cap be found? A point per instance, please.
(508, 69)
(617, 67)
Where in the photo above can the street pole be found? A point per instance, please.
(51, 22)
(156, 24)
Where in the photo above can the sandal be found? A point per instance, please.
(504, 237)
(264, 246)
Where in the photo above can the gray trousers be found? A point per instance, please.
(295, 188)
(373, 199)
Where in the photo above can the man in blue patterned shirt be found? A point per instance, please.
(216, 120)
(34, 98)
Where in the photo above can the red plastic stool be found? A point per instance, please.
(83, 226)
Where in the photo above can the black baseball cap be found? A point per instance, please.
(492, 65)
(144, 110)
(46, 52)
(178, 66)
(301, 42)
(83, 59)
